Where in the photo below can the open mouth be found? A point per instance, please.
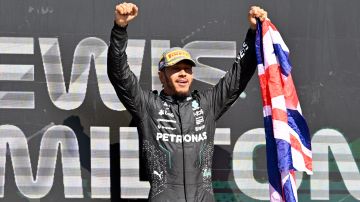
(182, 82)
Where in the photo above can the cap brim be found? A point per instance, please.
(190, 61)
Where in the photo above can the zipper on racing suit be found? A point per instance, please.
(183, 149)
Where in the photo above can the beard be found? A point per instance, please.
(179, 94)
(182, 94)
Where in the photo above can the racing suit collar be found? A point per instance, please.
(174, 98)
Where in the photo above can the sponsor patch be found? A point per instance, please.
(198, 128)
(206, 172)
(198, 112)
(166, 127)
(165, 104)
(176, 53)
(166, 120)
(166, 112)
(199, 120)
(166, 137)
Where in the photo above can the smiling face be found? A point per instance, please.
(177, 79)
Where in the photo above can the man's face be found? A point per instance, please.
(177, 79)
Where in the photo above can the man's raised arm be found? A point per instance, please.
(122, 78)
(228, 89)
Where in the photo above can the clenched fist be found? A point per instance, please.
(256, 12)
(124, 13)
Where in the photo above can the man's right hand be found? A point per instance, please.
(124, 13)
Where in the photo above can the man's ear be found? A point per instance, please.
(162, 76)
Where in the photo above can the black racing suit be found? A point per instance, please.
(177, 134)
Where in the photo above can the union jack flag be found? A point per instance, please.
(288, 145)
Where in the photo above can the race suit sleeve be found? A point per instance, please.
(228, 89)
(121, 77)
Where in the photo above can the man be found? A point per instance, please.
(176, 127)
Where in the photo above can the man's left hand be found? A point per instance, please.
(256, 12)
